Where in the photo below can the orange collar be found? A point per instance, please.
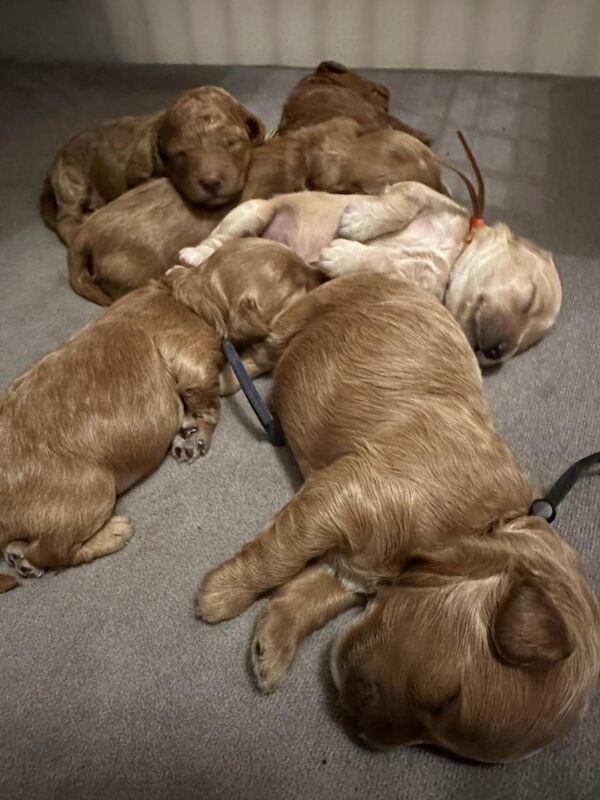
(475, 223)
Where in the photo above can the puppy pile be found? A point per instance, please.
(331, 253)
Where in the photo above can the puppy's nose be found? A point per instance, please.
(495, 352)
(211, 185)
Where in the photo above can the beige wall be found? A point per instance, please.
(560, 36)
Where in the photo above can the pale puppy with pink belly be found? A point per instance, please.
(503, 290)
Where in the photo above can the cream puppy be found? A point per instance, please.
(504, 290)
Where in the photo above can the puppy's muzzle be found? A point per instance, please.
(495, 352)
(212, 185)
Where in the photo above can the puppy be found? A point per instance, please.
(202, 143)
(504, 290)
(134, 238)
(339, 156)
(333, 90)
(92, 418)
(481, 633)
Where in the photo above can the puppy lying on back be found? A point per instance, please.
(134, 238)
(333, 90)
(95, 416)
(339, 156)
(481, 631)
(202, 143)
(504, 290)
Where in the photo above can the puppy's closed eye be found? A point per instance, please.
(437, 708)
(176, 157)
(235, 144)
(529, 300)
(433, 697)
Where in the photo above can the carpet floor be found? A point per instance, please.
(110, 687)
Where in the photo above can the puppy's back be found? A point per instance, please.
(135, 238)
(379, 351)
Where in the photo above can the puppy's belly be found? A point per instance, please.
(307, 229)
(282, 227)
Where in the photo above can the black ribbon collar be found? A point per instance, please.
(545, 507)
(269, 422)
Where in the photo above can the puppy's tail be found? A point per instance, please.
(80, 271)
(48, 206)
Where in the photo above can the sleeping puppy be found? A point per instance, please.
(202, 143)
(339, 156)
(333, 90)
(504, 290)
(480, 633)
(93, 417)
(134, 238)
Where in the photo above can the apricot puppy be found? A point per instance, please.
(339, 156)
(202, 143)
(333, 90)
(134, 238)
(93, 417)
(481, 632)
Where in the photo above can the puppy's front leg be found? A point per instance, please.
(248, 219)
(194, 438)
(299, 607)
(257, 359)
(319, 518)
(197, 374)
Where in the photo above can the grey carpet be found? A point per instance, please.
(109, 686)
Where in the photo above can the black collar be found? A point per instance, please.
(545, 507)
(269, 422)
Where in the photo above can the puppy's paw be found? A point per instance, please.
(359, 221)
(341, 256)
(14, 554)
(273, 647)
(228, 383)
(219, 598)
(194, 256)
(190, 443)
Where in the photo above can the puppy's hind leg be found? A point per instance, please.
(111, 538)
(61, 531)
(367, 218)
(343, 256)
(14, 554)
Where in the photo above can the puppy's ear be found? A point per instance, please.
(247, 320)
(528, 630)
(145, 161)
(366, 127)
(190, 289)
(332, 66)
(382, 92)
(256, 129)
